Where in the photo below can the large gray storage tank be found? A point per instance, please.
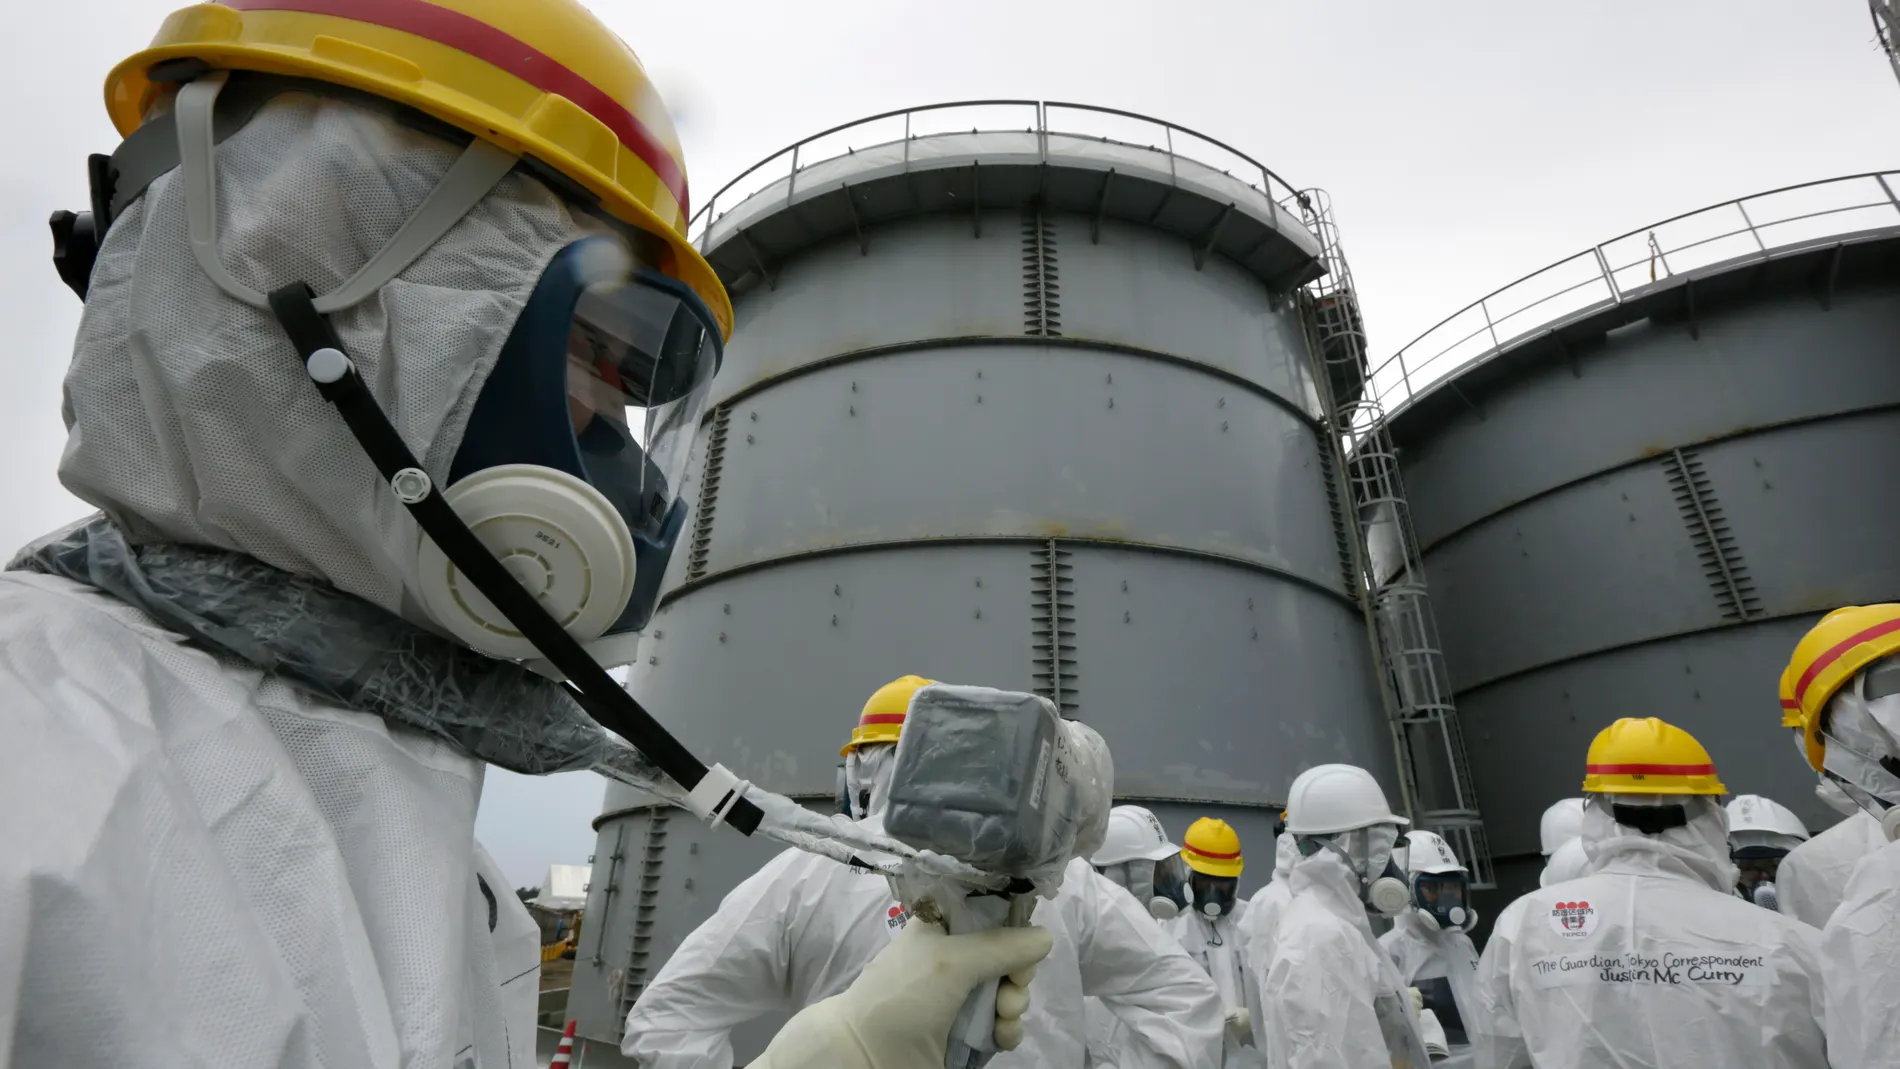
(1022, 407)
(1639, 475)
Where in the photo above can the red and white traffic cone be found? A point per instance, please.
(564, 1052)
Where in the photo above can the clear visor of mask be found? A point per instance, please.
(1368, 851)
(1214, 896)
(1155, 884)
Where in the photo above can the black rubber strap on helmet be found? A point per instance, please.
(604, 700)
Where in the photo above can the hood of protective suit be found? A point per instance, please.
(1831, 795)
(190, 418)
(1329, 880)
(867, 776)
(1697, 851)
(1570, 862)
(1286, 854)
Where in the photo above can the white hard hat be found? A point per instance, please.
(1562, 822)
(1133, 834)
(1428, 852)
(1757, 821)
(1333, 798)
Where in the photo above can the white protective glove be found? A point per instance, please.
(1240, 1025)
(1418, 999)
(897, 1013)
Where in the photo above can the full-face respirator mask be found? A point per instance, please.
(1159, 885)
(1368, 852)
(1861, 724)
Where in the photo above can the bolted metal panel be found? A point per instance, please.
(1642, 390)
(1533, 729)
(767, 669)
(1559, 578)
(1220, 683)
(1136, 287)
(1021, 439)
(924, 279)
(1605, 563)
(1644, 524)
(1816, 533)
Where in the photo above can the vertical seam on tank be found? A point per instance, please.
(1042, 316)
(1052, 619)
(646, 897)
(708, 493)
(1714, 542)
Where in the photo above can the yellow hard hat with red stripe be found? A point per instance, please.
(1212, 848)
(1648, 756)
(883, 717)
(1832, 653)
(1791, 716)
(540, 78)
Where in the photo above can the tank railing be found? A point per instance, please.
(1886, 15)
(1082, 121)
(1609, 273)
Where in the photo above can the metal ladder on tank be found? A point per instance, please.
(1434, 774)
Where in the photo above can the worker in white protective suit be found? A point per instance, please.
(1650, 961)
(1429, 942)
(1210, 932)
(246, 728)
(1812, 879)
(1562, 823)
(1263, 912)
(1137, 856)
(801, 928)
(1761, 833)
(1331, 995)
(1845, 675)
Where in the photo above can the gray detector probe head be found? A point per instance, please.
(998, 780)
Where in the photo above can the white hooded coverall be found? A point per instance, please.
(1424, 952)
(206, 865)
(1860, 953)
(1570, 862)
(1812, 879)
(1332, 997)
(1217, 945)
(1263, 912)
(800, 929)
(1650, 961)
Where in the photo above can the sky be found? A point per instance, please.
(1465, 143)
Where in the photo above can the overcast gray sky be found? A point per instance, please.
(1465, 143)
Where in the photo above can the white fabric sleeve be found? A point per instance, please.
(1803, 894)
(1497, 1042)
(1170, 1011)
(731, 969)
(1860, 953)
